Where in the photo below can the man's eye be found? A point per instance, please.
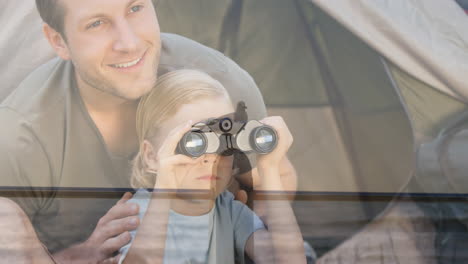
(135, 8)
(95, 24)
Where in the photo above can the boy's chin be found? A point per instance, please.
(198, 195)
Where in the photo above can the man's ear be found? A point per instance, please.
(149, 156)
(56, 41)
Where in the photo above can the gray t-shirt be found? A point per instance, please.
(53, 160)
(188, 238)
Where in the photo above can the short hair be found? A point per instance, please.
(172, 91)
(52, 13)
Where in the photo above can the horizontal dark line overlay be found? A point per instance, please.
(69, 192)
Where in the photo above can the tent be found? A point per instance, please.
(362, 84)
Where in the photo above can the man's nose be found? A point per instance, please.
(126, 39)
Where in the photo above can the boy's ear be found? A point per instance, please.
(57, 42)
(149, 155)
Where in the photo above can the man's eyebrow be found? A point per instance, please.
(131, 3)
(90, 17)
(93, 16)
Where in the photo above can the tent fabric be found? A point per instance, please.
(268, 38)
(429, 110)
(354, 138)
(428, 39)
(401, 234)
(295, 53)
(23, 47)
(463, 4)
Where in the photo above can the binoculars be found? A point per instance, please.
(227, 134)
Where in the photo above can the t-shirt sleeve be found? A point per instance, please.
(24, 166)
(245, 222)
(141, 197)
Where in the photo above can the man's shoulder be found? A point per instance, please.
(15, 128)
(40, 91)
(182, 53)
(21, 153)
(34, 112)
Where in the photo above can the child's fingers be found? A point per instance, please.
(285, 138)
(277, 122)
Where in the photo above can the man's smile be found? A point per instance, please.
(128, 64)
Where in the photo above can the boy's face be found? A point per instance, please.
(213, 172)
(114, 45)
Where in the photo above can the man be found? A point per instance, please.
(71, 124)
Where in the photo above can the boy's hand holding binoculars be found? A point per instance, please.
(167, 161)
(270, 139)
(285, 141)
(268, 165)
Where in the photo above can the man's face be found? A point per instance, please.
(114, 45)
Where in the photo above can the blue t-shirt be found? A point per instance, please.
(188, 237)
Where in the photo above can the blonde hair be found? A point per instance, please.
(172, 90)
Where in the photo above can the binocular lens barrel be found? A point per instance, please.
(193, 144)
(253, 136)
(263, 139)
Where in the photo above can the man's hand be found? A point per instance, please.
(110, 234)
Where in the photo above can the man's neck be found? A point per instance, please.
(113, 116)
(100, 101)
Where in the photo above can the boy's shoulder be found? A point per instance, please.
(227, 195)
(226, 200)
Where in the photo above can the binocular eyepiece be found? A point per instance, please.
(227, 134)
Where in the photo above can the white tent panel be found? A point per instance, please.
(427, 38)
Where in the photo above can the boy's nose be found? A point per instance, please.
(210, 158)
